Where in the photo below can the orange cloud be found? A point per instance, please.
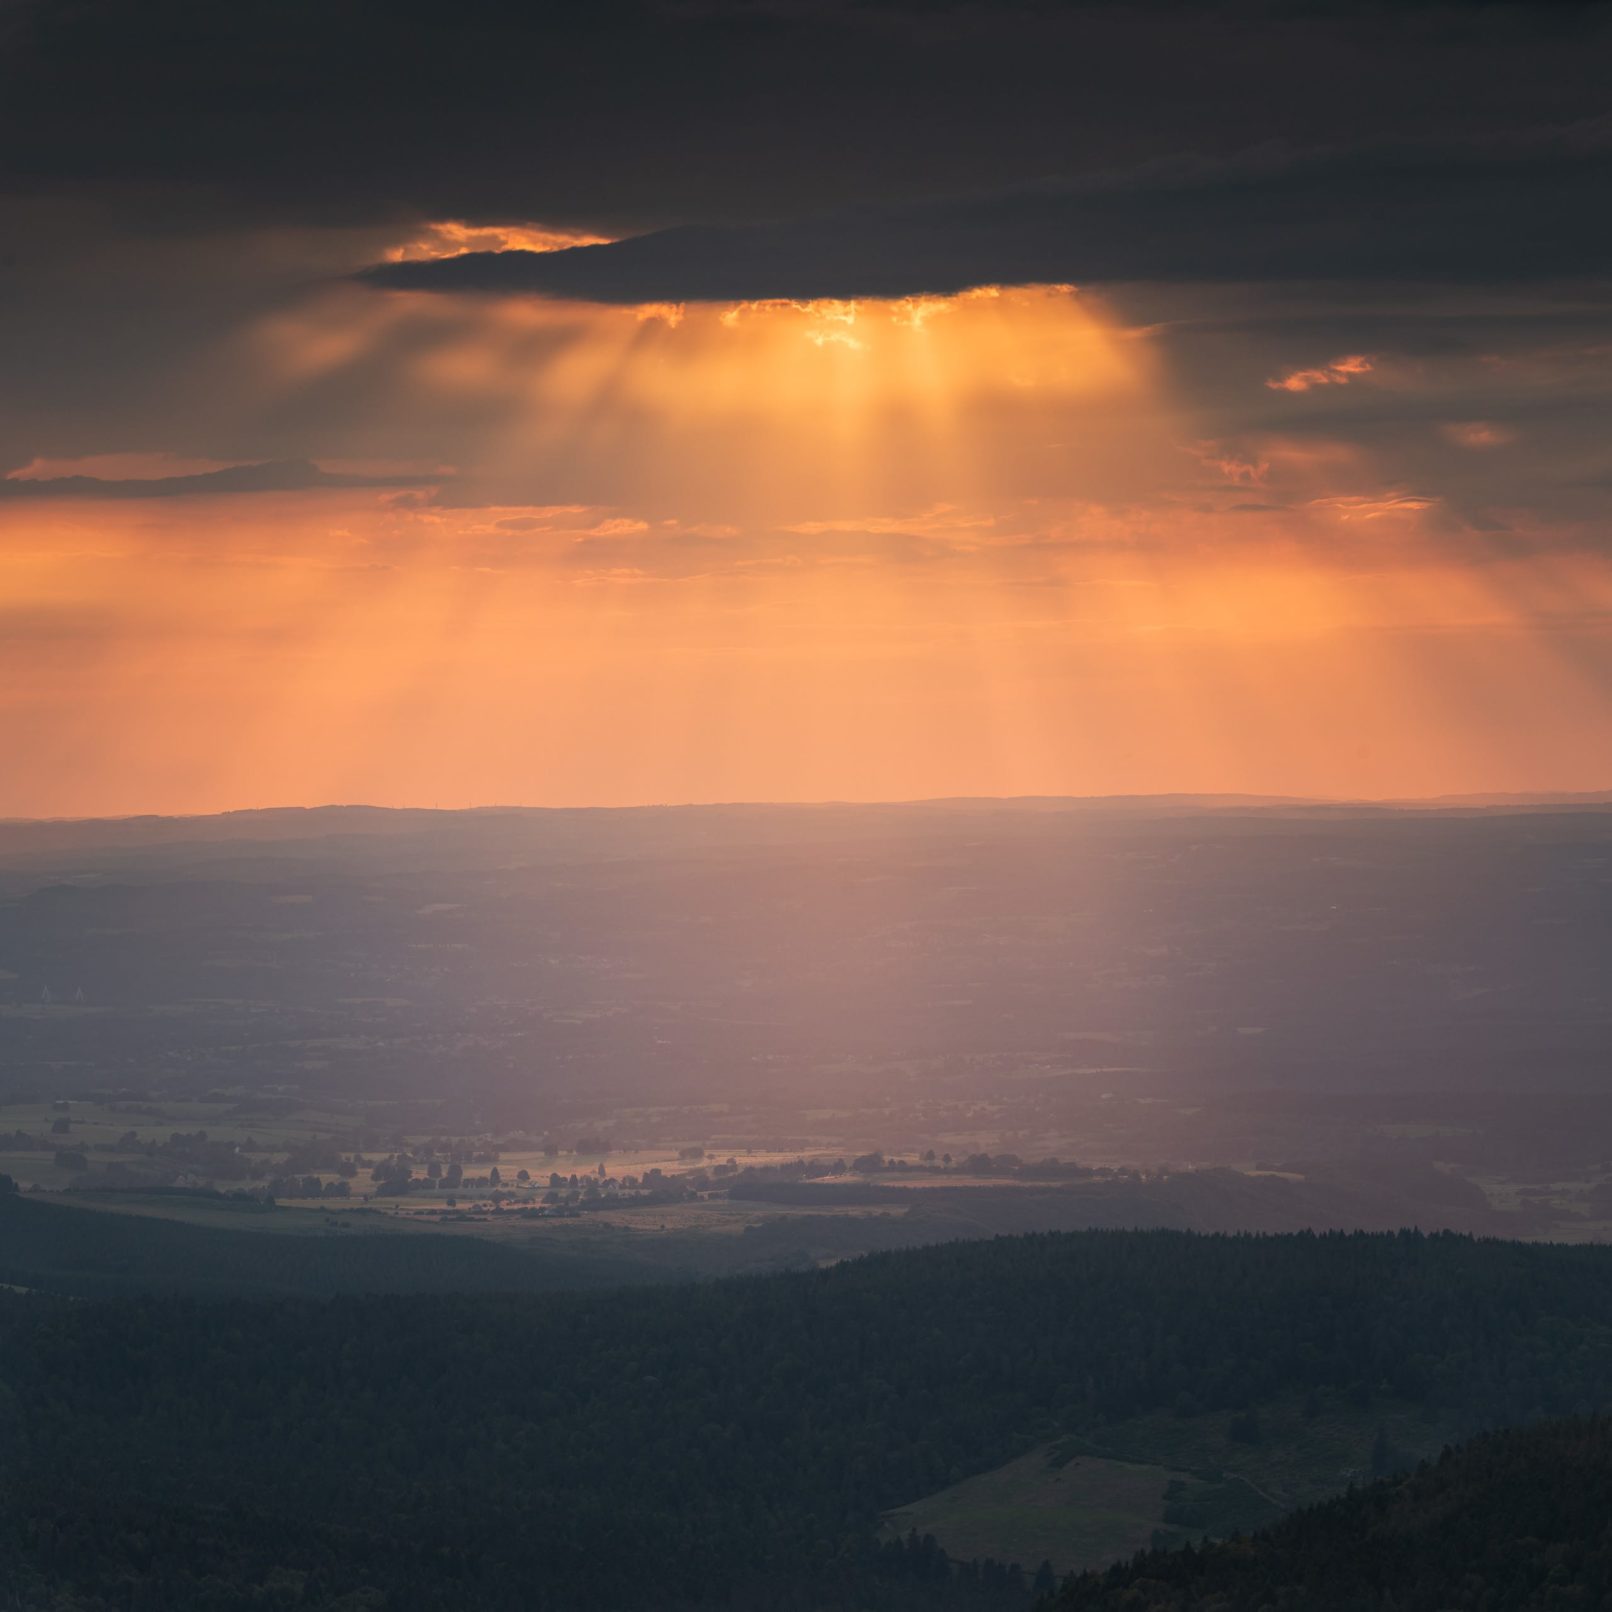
(1338, 373)
(454, 238)
(1374, 506)
(1236, 469)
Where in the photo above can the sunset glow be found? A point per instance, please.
(524, 548)
(861, 549)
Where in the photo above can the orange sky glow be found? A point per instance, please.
(857, 550)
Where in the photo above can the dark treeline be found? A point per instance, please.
(54, 1247)
(731, 1444)
(1519, 1520)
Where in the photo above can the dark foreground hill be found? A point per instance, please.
(1520, 1520)
(730, 1445)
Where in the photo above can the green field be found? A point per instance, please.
(1085, 1502)
(1083, 1513)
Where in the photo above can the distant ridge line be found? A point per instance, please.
(1206, 800)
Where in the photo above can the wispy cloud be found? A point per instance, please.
(1338, 373)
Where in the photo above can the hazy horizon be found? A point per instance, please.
(1521, 798)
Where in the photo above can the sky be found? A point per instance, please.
(486, 403)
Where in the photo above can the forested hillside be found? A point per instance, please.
(731, 1444)
(1520, 1519)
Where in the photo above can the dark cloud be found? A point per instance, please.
(277, 476)
(631, 114)
(179, 178)
(1482, 212)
